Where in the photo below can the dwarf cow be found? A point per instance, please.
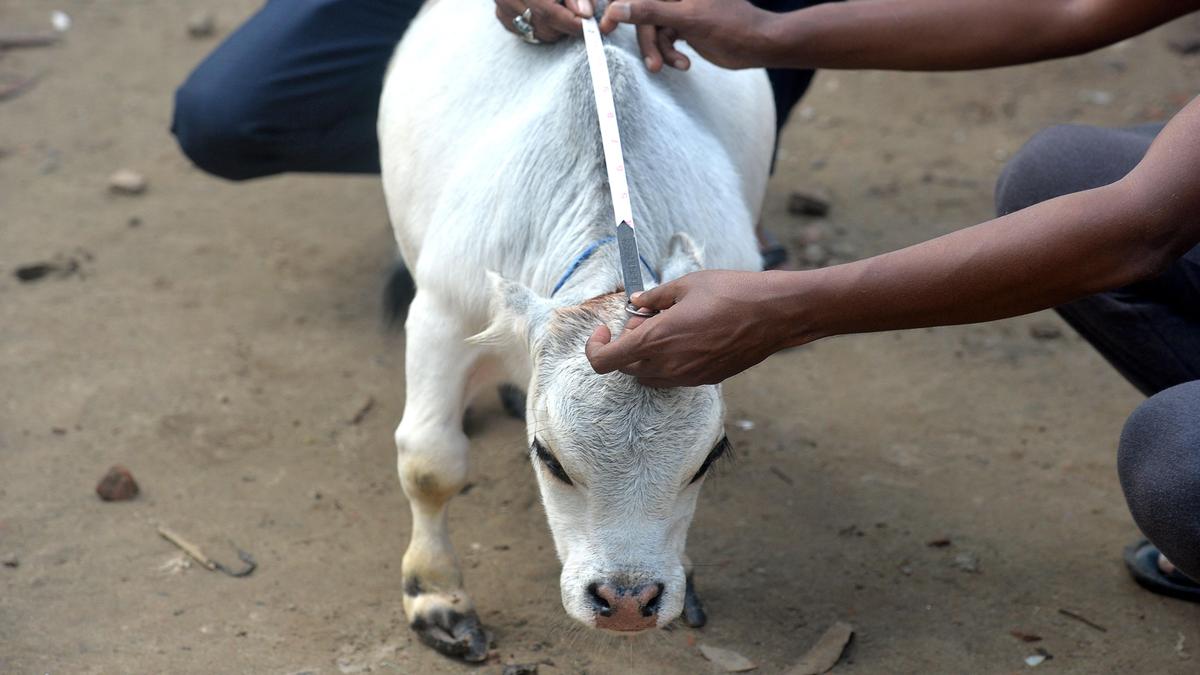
(495, 182)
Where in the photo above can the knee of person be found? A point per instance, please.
(1159, 467)
(212, 131)
(1037, 171)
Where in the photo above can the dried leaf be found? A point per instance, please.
(727, 659)
(825, 654)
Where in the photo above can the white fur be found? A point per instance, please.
(492, 162)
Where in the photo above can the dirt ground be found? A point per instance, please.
(220, 339)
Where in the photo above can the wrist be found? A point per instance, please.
(790, 306)
(775, 38)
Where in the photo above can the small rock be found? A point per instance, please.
(967, 562)
(1044, 330)
(1039, 657)
(814, 232)
(803, 204)
(28, 273)
(814, 254)
(727, 659)
(60, 20)
(176, 565)
(744, 425)
(117, 485)
(1096, 97)
(1025, 637)
(520, 669)
(843, 249)
(940, 542)
(1183, 36)
(202, 24)
(11, 560)
(1185, 46)
(127, 182)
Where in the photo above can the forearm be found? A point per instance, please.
(953, 34)
(1029, 260)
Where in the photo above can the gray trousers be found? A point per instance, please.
(1149, 331)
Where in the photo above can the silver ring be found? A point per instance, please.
(522, 22)
(633, 309)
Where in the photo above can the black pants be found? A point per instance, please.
(296, 88)
(1149, 331)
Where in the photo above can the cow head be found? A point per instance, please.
(619, 465)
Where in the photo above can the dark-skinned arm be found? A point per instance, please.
(1033, 259)
(895, 34)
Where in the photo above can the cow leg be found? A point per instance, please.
(432, 463)
(693, 610)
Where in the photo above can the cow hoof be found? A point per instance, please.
(513, 400)
(693, 609)
(456, 634)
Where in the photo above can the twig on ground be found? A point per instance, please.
(362, 411)
(1082, 619)
(14, 40)
(188, 548)
(208, 563)
(17, 88)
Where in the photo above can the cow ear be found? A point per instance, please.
(516, 312)
(683, 257)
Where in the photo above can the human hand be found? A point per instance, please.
(711, 325)
(551, 20)
(658, 48)
(726, 33)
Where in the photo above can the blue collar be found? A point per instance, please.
(587, 253)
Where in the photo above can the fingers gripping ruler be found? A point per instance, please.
(614, 162)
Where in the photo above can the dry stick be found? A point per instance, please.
(1082, 619)
(188, 548)
(12, 40)
(15, 89)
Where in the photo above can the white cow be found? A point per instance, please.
(495, 183)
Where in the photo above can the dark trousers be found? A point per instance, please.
(1149, 331)
(296, 88)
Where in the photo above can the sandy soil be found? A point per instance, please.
(218, 339)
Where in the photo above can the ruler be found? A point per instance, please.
(614, 162)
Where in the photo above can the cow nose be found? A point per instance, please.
(625, 608)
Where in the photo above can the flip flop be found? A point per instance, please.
(774, 254)
(1142, 561)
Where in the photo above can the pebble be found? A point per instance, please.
(1096, 97)
(520, 669)
(11, 560)
(202, 24)
(127, 182)
(843, 249)
(804, 204)
(117, 485)
(1045, 330)
(814, 232)
(967, 562)
(814, 254)
(60, 20)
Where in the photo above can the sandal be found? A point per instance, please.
(1142, 561)
(774, 254)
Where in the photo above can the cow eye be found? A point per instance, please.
(722, 448)
(550, 462)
